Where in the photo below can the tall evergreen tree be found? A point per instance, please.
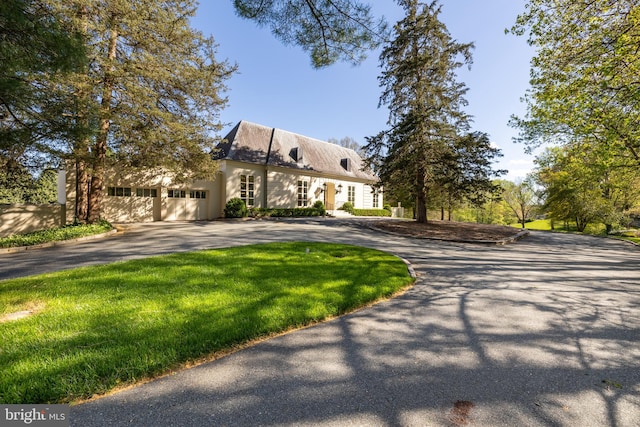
(467, 174)
(34, 45)
(425, 103)
(15, 181)
(151, 90)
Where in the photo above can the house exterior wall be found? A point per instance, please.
(283, 189)
(281, 185)
(128, 197)
(231, 175)
(368, 198)
(363, 196)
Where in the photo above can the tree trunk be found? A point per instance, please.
(421, 209)
(581, 224)
(97, 184)
(97, 179)
(81, 145)
(82, 192)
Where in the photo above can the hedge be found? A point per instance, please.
(371, 212)
(285, 212)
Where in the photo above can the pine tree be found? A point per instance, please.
(466, 173)
(151, 91)
(34, 45)
(425, 103)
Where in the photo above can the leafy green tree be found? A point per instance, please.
(584, 84)
(521, 198)
(330, 30)
(568, 197)
(580, 186)
(584, 95)
(425, 103)
(496, 211)
(151, 89)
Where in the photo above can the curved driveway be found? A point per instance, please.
(543, 332)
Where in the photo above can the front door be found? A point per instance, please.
(330, 196)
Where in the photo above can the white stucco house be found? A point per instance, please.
(266, 167)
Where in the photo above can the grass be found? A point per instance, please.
(593, 229)
(630, 236)
(98, 328)
(55, 234)
(545, 225)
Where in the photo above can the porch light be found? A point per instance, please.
(339, 188)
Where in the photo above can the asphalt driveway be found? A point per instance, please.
(543, 332)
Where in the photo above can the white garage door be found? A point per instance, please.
(186, 205)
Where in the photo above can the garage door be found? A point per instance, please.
(186, 205)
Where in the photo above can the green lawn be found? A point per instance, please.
(628, 236)
(545, 225)
(55, 234)
(594, 229)
(97, 328)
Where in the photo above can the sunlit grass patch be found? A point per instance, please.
(593, 229)
(100, 327)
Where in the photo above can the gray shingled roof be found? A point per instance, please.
(253, 143)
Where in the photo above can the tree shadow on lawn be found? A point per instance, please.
(128, 321)
(523, 341)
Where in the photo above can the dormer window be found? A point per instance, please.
(346, 164)
(296, 154)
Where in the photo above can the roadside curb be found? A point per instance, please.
(412, 271)
(57, 243)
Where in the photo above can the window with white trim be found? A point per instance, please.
(303, 193)
(198, 194)
(176, 194)
(119, 191)
(247, 189)
(146, 192)
(376, 203)
(351, 194)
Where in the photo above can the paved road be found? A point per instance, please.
(544, 332)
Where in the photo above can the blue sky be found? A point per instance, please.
(277, 87)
